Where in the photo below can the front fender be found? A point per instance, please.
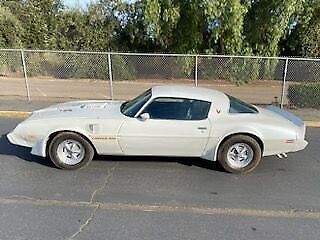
(40, 147)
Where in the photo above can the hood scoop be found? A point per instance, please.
(65, 110)
(96, 104)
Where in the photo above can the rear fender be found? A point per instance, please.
(241, 132)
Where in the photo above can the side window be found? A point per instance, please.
(178, 109)
(199, 109)
(238, 106)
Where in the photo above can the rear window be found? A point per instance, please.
(238, 106)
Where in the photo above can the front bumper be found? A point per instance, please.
(13, 139)
(17, 140)
(38, 147)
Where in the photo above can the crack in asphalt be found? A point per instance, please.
(22, 197)
(86, 223)
(91, 202)
(105, 183)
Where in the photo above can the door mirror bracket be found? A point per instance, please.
(144, 116)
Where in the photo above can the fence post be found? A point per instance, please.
(110, 75)
(284, 82)
(196, 71)
(25, 74)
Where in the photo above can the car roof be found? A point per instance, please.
(191, 92)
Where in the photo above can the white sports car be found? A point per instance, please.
(162, 121)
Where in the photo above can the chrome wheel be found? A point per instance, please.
(70, 152)
(239, 155)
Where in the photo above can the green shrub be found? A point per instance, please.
(306, 95)
(34, 64)
(238, 70)
(68, 66)
(85, 66)
(10, 62)
(158, 67)
(122, 68)
(183, 67)
(235, 70)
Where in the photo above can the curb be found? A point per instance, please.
(21, 114)
(312, 123)
(15, 114)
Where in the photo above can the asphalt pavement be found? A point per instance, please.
(158, 198)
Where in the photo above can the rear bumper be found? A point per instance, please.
(277, 147)
(300, 145)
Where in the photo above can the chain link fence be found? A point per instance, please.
(12, 80)
(63, 75)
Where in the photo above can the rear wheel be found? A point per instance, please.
(239, 154)
(70, 151)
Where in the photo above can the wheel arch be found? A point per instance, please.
(55, 133)
(225, 138)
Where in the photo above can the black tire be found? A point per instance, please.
(65, 136)
(239, 139)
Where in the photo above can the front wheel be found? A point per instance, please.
(70, 151)
(239, 154)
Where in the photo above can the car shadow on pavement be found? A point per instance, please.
(6, 148)
(186, 161)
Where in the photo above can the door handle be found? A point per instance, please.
(202, 128)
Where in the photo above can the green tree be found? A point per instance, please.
(95, 28)
(161, 18)
(196, 25)
(259, 27)
(311, 37)
(133, 34)
(39, 20)
(72, 30)
(302, 35)
(268, 22)
(103, 25)
(188, 35)
(10, 29)
(225, 21)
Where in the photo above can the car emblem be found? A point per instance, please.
(218, 111)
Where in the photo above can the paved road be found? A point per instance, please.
(158, 198)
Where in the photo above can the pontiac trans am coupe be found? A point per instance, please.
(162, 121)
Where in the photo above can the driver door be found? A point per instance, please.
(176, 127)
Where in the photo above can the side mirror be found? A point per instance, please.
(144, 116)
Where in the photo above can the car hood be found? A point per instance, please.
(80, 109)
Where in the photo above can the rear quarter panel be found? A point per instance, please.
(273, 132)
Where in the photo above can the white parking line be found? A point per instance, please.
(41, 92)
(104, 96)
(165, 208)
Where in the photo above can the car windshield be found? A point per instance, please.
(238, 106)
(130, 108)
